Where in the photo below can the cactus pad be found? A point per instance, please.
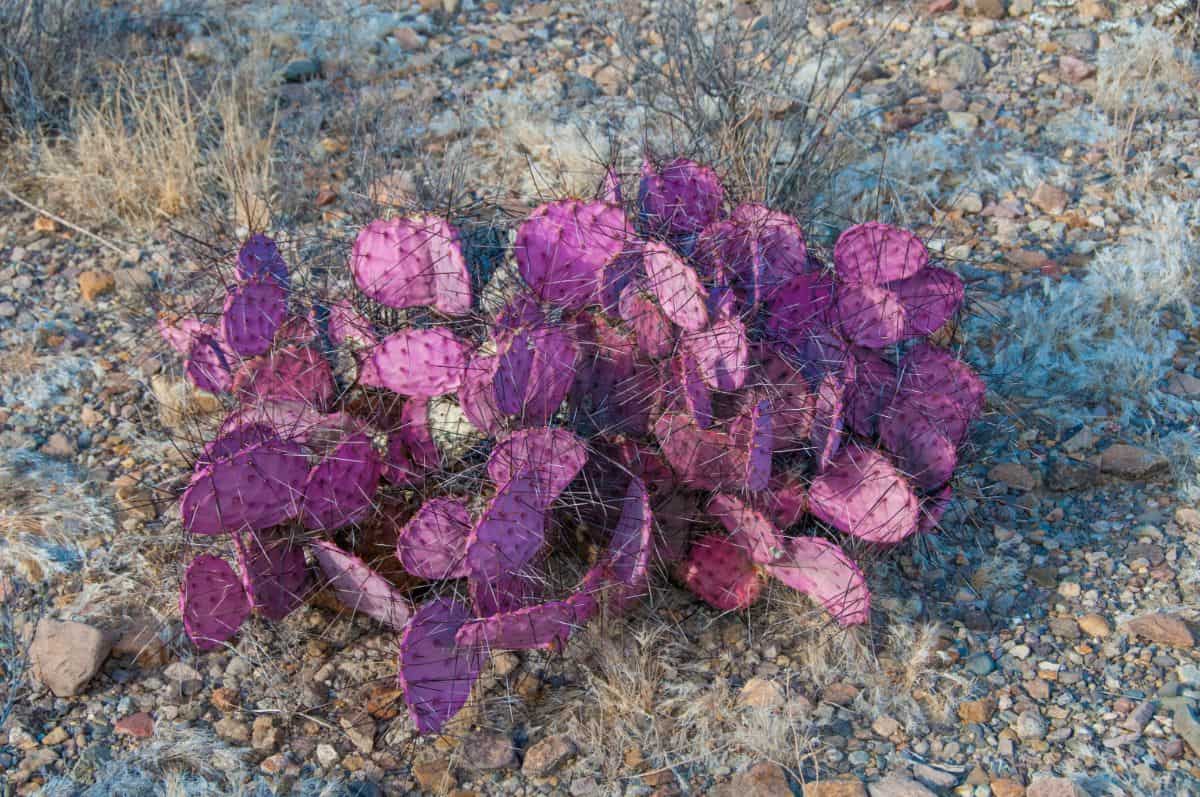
(260, 257)
(680, 199)
(412, 262)
(721, 353)
(930, 298)
(358, 587)
(212, 601)
(749, 528)
(256, 488)
(655, 336)
(719, 572)
(292, 373)
(340, 489)
(274, 573)
(563, 248)
(821, 570)
(348, 327)
(705, 459)
(862, 494)
(553, 457)
(675, 286)
(253, 312)
(435, 672)
(208, 365)
(419, 363)
(828, 417)
(433, 544)
(544, 625)
(511, 530)
(876, 254)
(871, 315)
(506, 593)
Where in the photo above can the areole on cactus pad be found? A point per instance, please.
(685, 381)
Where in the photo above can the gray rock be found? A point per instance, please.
(489, 750)
(898, 786)
(1054, 787)
(66, 655)
(980, 664)
(1030, 725)
(962, 64)
(547, 755)
(1187, 725)
(302, 70)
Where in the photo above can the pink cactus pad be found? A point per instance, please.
(506, 593)
(208, 365)
(786, 500)
(398, 467)
(348, 327)
(871, 315)
(821, 570)
(655, 335)
(340, 489)
(534, 373)
(933, 509)
(675, 286)
(828, 418)
(514, 361)
(477, 393)
(256, 488)
(435, 672)
(721, 353)
(719, 572)
(752, 431)
(876, 254)
(294, 420)
(563, 248)
(293, 373)
(433, 544)
(274, 573)
(693, 396)
(874, 386)
(545, 625)
(419, 363)
(800, 307)
(253, 312)
(929, 370)
(417, 434)
(212, 601)
(630, 546)
(930, 298)
(521, 311)
(793, 405)
(413, 262)
(511, 530)
(360, 588)
(182, 333)
(862, 494)
(923, 451)
(553, 457)
(680, 199)
(705, 459)
(237, 438)
(760, 248)
(749, 528)
(260, 257)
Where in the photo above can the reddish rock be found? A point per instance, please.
(1050, 199)
(139, 725)
(761, 780)
(1075, 70)
(1165, 628)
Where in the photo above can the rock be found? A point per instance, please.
(264, 736)
(274, 764)
(1075, 70)
(302, 70)
(1187, 725)
(94, 283)
(66, 655)
(360, 729)
(1014, 475)
(326, 755)
(139, 639)
(980, 664)
(409, 39)
(968, 202)
(58, 446)
(1092, 10)
(1132, 462)
(434, 775)
(1066, 475)
(544, 757)
(1165, 628)
(989, 9)
(488, 750)
(1050, 199)
(1140, 717)
(1054, 787)
(937, 778)
(962, 121)
(232, 730)
(977, 710)
(1064, 627)
(1030, 725)
(1182, 384)
(962, 64)
(841, 693)
(761, 780)
(1019, 8)
(55, 737)
(885, 726)
(1188, 517)
(1003, 787)
(898, 786)
(761, 693)
(840, 787)
(139, 726)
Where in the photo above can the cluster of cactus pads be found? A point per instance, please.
(689, 382)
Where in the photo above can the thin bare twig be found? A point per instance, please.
(101, 240)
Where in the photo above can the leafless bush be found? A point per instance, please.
(758, 98)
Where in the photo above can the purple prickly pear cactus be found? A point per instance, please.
(534, 372)
(928, 370)
(212, 601)
(417, 435)
(511, 530)
(274, 573)
(655, 335)
(412, 263)
(208, 364)
(260, 257)
(551, 457)
(680, 199)
(563, 248)
(863, 495)
(914, 434)
(544, 625)
(675, 286)
(292, 373)
(828, 418)
(748, 528)
(477, 393)
(436, 673)
(722, 353)
(339, 490)
(506, 593)
(253, 312)
(418, 363)
(868, 396)
(800, 308)
(610, 187)
(705, 459)
(720, 572)
(359, 588)
(182, 333)
(933, 509)
(690, 387)
(255, 488)
(433, 544)
(930, 298)
(871, 315)
(821, 570)
(348, 327)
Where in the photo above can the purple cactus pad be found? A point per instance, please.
(435, 672)
(863, 495)
(545, 625)
(553, 457)
(719, 572)
(680, 199)
(340, 489)
(360, 588)
(930, 298)
(828, 418)
(506, 593)
(418, 363)
(254, 489)
(212, 601)
(207, 365)
(821, 570)
(292, 373)
(675, 286)
(564, 247)
(274, 573)
(748, 527)
(655, 335)
(413, 262)
(260, 257)
(253, 312)
(433, 544)
(871, 315)
(181, 334)
(876, 254)
(721, 353)
(511, 530)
